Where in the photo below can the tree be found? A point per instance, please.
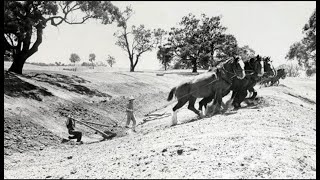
(111, 60)
(85, 64)
(74, 58)
(292, 70)
(309, 30)
(165, 56)
(184, 41)
(24, 22)
(246, 53)
(298, 51)
(305, 50)
(197, 41)
(58, 63)
(228, 47)
(92, 57)
(8, 56)
(142, 40)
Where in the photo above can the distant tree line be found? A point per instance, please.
(304, 51)
(197, 42)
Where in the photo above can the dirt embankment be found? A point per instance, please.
(273, 138)
(36, 103)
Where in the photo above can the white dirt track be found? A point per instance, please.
(276, 138)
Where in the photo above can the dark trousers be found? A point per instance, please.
(76, 135)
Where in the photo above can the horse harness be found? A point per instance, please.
(227, 80)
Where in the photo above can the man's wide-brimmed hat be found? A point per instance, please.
(131, 98)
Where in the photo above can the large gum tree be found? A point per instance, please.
(25, 21)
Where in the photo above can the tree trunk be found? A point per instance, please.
(20, 58)
(194, 66)
(131, 63)
(131, 69)
(17, 64)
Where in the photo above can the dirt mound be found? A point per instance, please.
(71, 83)
(21, 136)
(86, 99)
(15, 87)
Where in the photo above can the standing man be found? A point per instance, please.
(130, 115)
(71, 124)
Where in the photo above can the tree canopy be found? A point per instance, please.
(165, 56)
(111, 60)
(304, 51)
(74, 58)
(199, 40)
(24, 22)
(137, 40)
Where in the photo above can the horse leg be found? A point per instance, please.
(235, 96)
(228, 104)
(216, 105)
(203, 103)
(254, 95)
(241, 95)
(180, 103)
(191, 107)
(219, 101)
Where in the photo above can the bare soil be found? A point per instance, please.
(273, 138)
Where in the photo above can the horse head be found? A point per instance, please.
(238, 67)
(257, 65)
(268, 67)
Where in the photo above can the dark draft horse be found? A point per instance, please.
(254, 67)
(205, 85)
(239, 94)
(281, 73)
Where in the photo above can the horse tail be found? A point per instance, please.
(173, 90)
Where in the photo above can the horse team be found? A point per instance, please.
(233, 75)
(274, 80)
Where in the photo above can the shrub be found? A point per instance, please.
(292, 70)
(310, 72)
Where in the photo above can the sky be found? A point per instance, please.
(268, 27)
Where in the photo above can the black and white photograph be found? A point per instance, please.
(159, 89)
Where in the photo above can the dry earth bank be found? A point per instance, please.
(275, 138)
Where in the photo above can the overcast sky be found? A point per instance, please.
(267, 27)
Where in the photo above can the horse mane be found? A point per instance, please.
(218, 64)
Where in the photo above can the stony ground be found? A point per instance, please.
(274, 138)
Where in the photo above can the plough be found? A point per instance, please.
(151, 117)
(104, 135)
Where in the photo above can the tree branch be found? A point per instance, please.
(7, 43)
(27, 41)
(127, 44)
(38, 41)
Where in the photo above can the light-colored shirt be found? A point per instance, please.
(130, 107)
